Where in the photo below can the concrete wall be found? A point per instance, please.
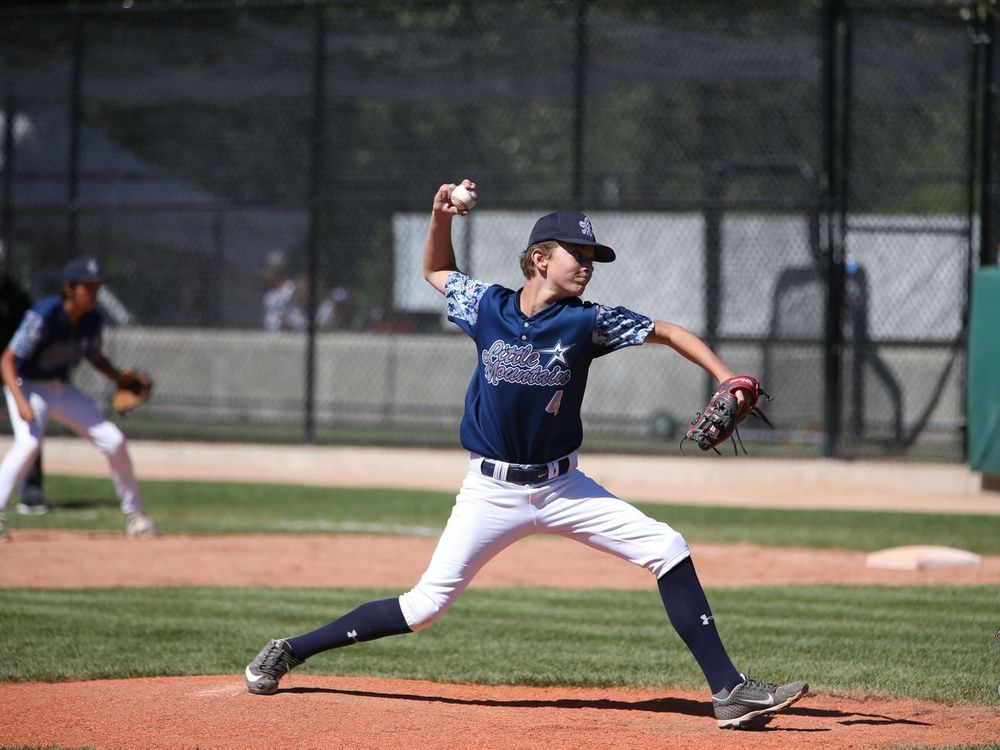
(366, 378)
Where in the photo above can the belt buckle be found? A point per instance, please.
(527, 473)
(535, 474)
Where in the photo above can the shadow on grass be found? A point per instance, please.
(82, 503)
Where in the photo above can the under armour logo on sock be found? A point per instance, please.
(705, 619)
(353, 635)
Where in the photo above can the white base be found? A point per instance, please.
(921, 557)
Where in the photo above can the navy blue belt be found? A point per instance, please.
(526, 473)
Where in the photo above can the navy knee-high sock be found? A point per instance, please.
(372, 620)
(689, 613)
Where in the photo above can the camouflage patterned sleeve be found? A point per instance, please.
(463, 294)
(28, 335)
(618, 327)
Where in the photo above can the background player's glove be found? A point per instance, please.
(724, 412)
(134, 389)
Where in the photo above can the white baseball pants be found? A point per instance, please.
(64, 403)
(490, 515)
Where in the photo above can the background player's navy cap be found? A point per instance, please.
(570, 226)
(82, 271)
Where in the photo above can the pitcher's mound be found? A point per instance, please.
(367, 713)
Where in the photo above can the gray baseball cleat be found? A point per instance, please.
(138, 525)
(270, 665)
(753, 703)
(32, 506)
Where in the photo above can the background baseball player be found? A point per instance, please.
(14, 303)
(522, 428)
(53, 337)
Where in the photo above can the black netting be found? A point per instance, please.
(212, 156)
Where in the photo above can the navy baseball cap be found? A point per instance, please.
(82, 271)
(570, 226)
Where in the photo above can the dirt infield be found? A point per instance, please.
(67, 559)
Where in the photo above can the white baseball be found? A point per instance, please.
(463, 198)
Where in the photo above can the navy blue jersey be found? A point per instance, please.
(523, 404)
(48, 346)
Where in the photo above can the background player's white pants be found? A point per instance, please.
(489, 515)
(64, 403)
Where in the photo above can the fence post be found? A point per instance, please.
(217, 301)
(579, 91)
(713, 259)
(75, 117)
(7, 256)
(989, 193)
(836, 104)
(312, 246)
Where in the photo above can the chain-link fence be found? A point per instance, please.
(798, 182)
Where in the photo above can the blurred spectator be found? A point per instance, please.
(336, 310)
(297, 318)
(190, 309)
(279, 297)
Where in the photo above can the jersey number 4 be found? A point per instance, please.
(554, 403)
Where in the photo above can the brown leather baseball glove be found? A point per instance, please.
(134, 389)
(720, 419)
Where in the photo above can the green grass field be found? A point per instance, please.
(927, 642)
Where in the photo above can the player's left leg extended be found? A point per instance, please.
(581, 509)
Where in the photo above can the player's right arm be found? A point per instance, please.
(26, 340)
(439, 253)
(8, 371)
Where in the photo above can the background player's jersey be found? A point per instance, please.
(523, 404)
(48, 346)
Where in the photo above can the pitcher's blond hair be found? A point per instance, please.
(528, 265)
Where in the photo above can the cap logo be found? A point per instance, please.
(586, 228)
(92, 266)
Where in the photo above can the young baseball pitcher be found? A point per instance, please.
(522, 429)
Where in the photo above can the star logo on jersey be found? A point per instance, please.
(586, 228)
(558, 353)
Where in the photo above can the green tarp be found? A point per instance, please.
(984, 373)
